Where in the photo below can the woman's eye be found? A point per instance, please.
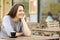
(20, 10)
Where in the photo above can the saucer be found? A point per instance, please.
(14, 37)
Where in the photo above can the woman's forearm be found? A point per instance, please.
(26, 30)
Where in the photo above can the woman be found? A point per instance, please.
(14, 21)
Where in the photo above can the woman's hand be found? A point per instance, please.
(23, 19)
(19, 33)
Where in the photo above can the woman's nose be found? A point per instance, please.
(22, 12)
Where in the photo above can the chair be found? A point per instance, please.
(52, 24)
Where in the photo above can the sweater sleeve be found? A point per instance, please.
(7, 25)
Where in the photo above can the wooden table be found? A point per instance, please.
(33, 37)
(52, 30)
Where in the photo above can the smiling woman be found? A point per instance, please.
(14, 21)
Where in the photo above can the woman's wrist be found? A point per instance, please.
(23, 20)
(19, 34)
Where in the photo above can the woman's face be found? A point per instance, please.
(20, 12)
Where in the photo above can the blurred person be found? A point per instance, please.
(14, 21)
(49, 17)
(55, 19)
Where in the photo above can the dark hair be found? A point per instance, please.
(14, 9)
(49, 14)
(55, 18)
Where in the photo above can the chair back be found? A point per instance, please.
(52, 24)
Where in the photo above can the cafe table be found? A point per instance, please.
(32, 37)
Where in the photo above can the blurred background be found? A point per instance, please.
(35, 10)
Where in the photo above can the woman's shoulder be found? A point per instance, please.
(6, 17)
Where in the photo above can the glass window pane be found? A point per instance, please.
(48, 6)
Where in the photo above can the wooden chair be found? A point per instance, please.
(52, 24)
